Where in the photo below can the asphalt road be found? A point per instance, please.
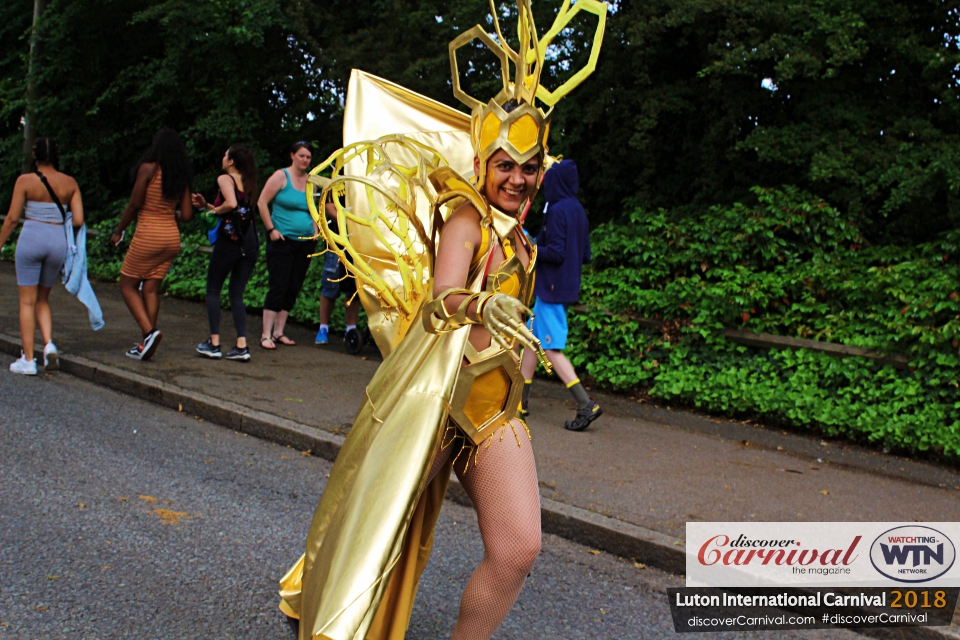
(122, 519)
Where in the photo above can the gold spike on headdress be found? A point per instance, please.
(522, 132)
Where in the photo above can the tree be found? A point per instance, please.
(694, 102)
(697, 101)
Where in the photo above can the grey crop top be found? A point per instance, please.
(43, 212)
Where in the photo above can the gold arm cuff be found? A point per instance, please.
(435, 312)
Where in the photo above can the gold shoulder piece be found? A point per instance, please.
(453, 189)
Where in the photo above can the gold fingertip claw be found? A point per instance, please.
(542, 357)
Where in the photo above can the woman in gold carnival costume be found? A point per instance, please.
(445, 274)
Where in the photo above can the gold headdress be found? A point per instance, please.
(399, 145)
(523, 131)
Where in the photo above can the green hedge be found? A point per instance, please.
(789, 264)
(793, 266)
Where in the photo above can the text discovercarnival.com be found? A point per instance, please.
(754, 576)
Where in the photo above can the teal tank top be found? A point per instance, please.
(290, 214)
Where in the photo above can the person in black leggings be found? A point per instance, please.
(235, 250)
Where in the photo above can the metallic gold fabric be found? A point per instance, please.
(373, 530)
(375, 496)
(376, 108)
(488, 395)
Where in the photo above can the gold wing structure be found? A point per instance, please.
(395, 182)
(386, 203)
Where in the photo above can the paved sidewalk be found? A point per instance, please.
(643, 465)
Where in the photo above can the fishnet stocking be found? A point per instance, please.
(502, 483)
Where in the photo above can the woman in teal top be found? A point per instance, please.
(288, 257)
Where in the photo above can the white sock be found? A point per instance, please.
(323, 326)
(350, 326)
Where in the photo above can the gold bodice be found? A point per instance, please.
(490, 385)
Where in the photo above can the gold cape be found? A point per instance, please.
(377, 515)
(372, 532)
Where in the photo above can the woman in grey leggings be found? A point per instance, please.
(41, 248)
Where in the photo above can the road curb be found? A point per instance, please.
(585, 527)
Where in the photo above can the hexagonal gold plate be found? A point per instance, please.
(499, 403)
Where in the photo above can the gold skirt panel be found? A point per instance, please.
(376, 492)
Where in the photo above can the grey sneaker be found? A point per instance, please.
(209, 350)
(238, 354)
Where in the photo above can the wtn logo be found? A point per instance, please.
(912, 554)
(900, 554)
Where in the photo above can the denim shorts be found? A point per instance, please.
(335, 280)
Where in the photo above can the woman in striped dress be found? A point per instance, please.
(162, 183)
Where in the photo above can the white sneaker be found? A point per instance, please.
(24, 366)
(51, 357)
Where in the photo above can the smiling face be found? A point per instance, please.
(508, 183)
(301, 159)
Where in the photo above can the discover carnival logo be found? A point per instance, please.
(912, 553)
(743, 551)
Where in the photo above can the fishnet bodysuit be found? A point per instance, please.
(502, 483)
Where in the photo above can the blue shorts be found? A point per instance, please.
(335, 280)
(550, 324)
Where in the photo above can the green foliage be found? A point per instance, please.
(854, 104)
(791, 265)
(218, 71)
(860, 108)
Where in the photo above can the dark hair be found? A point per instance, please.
(246, 164)
(301, 144)
(168, 151)
(46, 150)
(510, 105)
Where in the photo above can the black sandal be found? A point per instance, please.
(270, 340)
(280, 340)
(584, 417)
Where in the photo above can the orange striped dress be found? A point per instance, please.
(157, 239)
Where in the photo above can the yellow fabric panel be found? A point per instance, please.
(510, 286)
(359, 531)
(482, 249)
(489, 130)
(523, 133)
(487, 395)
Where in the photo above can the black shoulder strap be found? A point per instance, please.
(53, 195)
(245, 201)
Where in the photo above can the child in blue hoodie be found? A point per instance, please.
(563, 247)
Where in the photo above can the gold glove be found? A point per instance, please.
(502, 315)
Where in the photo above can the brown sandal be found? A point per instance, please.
(284, 340)
(272, 346)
